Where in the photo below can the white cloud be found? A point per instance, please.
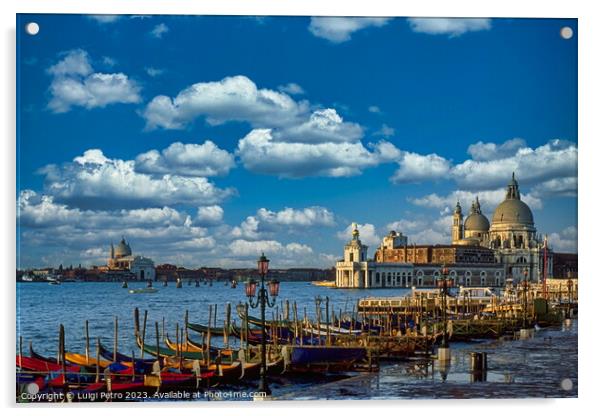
(291, 88)
(414, 167)
(231, 99)
(322, 126)
(209, 215)
(489, 199)
(556, 159)
(564, 241)
(374, 109)
(266, 222)
(108, 61)
(153, 72)
(448, 26)
(105, 18)
(306, 217)
(261, 153)
(159, 30)
(269, 247)
(75, 84)
(63, 233)
(556, 187)
(340, 29)
(94, 180)
(385, 131)
(492, 151)
(368, 234)
(186, 160)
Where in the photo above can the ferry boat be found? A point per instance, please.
(324, 283)
(143, 290)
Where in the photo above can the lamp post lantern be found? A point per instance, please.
(262, 300)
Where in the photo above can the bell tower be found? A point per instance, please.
(457, 231)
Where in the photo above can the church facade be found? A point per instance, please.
(121, 258)
(480, 253)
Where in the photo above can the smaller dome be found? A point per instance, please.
(123, 249)
(476, 222)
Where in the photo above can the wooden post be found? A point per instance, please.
(178, 341)
(181, 358)
(115, 342)
(327, 321)
(62, 353)
(163, 329)
(157, 339)
(20, 351)
(247, 329)
(286, 310)
(143, 335)
(209, 335)
(136, 322)
(133, 365)
(185, 342)
(227, 325)
(296, 333)
(87, 343)
(97, 359)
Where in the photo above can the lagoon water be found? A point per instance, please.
(544, 366)
(42, 307)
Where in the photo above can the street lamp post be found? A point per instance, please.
(525, 288)
(444, 283)
(262, 300)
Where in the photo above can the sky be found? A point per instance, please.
(206, 140)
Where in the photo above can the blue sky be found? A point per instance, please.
(205, 140)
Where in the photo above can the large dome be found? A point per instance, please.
(123, 249)
(513, 211)
(476, 222)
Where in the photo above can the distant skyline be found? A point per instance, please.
(205, 140)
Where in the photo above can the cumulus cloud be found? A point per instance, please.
(448, 26)
(374, 109)
(322, 126)
(159, 30)
(75, 84)
(231, 99)
(95, 180)
(556, 159)
(564, 241)
(340, 29)
(492, 151)
(269, 247)
(209, 216)
(385, 131)
(153, 72)
(261, 152)
(186, 160)
(414, 167)
(489, 199)
(267, 222)
(105, 18)
(63, 233)
(368, 234)
(291, 88)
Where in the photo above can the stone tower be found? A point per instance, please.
(457, 224)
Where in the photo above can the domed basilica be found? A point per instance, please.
(512, 233)
(121, 259)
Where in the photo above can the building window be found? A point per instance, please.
(351, 257)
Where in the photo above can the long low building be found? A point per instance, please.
(408, 266)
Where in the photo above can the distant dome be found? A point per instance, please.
(476, 222)
(513, 211)
(123, 249)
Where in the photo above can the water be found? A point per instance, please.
(42, 307)
(544, 366)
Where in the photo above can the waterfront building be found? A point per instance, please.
(481, 253)
(511, 235)
(121, 259)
